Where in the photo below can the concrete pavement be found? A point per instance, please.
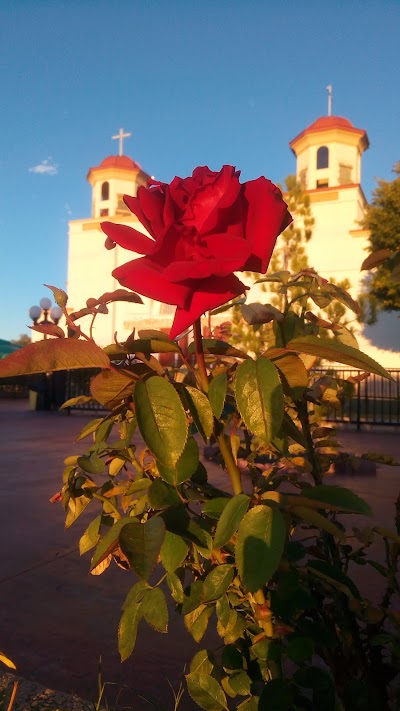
(56, 619)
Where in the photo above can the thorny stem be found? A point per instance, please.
(302, 412)
(231, 466)
(13, 695)
(200, 355)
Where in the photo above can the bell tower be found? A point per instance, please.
(328, 153)
(115, 177)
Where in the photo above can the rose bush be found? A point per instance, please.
(203, 228)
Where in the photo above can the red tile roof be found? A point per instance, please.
(325, 123)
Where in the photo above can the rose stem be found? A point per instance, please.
(231, 466)
(200, 355)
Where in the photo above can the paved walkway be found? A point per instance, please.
(56, 619)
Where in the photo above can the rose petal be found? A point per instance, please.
(208, 294)
(226, 256)
(152, 203)
(221, 193)
(267, 217)
(147, 278)
(129, 238)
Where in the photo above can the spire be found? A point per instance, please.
(329, 90)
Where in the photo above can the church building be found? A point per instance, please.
(328, 165)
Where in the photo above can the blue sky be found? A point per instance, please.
(196, 82)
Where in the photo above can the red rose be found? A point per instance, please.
(203, 229)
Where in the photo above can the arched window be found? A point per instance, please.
(322, 157)
(105, 191)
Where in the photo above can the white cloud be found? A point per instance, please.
(46, 167)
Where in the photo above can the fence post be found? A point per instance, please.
(358, 407)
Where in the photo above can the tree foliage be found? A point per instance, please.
(290, 252)
(382, 219)
(22, 340)
(289, 255)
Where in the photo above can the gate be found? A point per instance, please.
(373, 401)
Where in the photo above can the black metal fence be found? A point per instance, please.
(373, 401)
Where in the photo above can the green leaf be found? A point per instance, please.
(214, 507)
(185, 467)
(109, 542)
(155, 610)
(223, 610)
(59, 295)
(312, 677)
(5, 660)
(201, 411)
(53, 354)
(173, 551)
(300, 649)
(291, 430)
(76, 505)
(153, 333)
(337, 352)
(91, 536)
(334, 577)
(276, 695)
(279, 277)
(109, 388)
(317, 520)
(293, 371)
(202, 662)
(206, 692)
(93, 464)
(230, 519)
(213, 345)
(217, 393)
(338, 496)
(141, 543)
(178, 521)
(235, 628)
(161, 419)
(259, 547)
(196, 622)
(194, 599)
(127, 629)
(250, 704)
(175, 587)
(259, 398)
(240, 682)
(80, 400)
(376, 258)
(261, 313)
(89, 428)
(217, 582)
(232, 659)
(162, 495)
(135, 594)
(152, 345)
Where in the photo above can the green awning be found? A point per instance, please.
(6, 347)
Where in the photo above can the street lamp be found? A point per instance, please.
(45, 308)
(44, 387)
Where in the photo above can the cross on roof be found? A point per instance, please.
(120, 136)
(329, 90)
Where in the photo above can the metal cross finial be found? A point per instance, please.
(329, 90)
(120, 136)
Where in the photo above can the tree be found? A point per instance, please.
(290, 252)
(289, 255)
(382, 219)
(22, 340)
